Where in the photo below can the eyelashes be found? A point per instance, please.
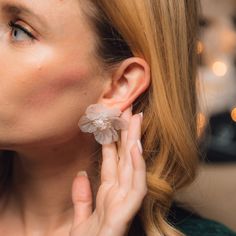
(14, 27)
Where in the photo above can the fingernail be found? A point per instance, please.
(82, 173)
(140, 146)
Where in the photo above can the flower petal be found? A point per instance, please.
(95, 111)
(119, 123)
(112, 112)
(106, 136)
(99, 111)
(115, 136)
(86, 125)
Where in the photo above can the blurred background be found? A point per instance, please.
(213, 194)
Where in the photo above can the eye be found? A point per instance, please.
(19, 33)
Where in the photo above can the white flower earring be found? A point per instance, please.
(103, 122)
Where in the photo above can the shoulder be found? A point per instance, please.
(192, 224)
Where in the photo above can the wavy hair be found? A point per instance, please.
(164, 33)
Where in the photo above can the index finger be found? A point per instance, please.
(126, 115)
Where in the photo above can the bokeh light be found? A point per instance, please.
(219, 68)
(233, 114)
(201, 123)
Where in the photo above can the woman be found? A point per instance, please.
(58, 58)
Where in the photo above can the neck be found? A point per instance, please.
(42, 181)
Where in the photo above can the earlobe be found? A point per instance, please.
(128, 82)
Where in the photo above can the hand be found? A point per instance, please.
(122, 190)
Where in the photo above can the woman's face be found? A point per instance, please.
(46, 83)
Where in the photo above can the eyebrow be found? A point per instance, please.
(17, 9)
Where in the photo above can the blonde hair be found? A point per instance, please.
(164, 33)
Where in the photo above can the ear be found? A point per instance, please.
(127, 83)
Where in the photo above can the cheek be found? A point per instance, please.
(61, 90)
(43, 96)
(50, 103)
(53, 84)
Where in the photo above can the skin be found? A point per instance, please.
(45, 86)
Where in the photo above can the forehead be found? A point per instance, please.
(43, 10)
(47, 5)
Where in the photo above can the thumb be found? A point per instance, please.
(82, 198)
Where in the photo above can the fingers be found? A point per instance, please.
(138, 190)
(110, 154)
(125, 168)
(82, 198)
(109, 164)
(126, 115)
(134, 132)
(139, 174)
